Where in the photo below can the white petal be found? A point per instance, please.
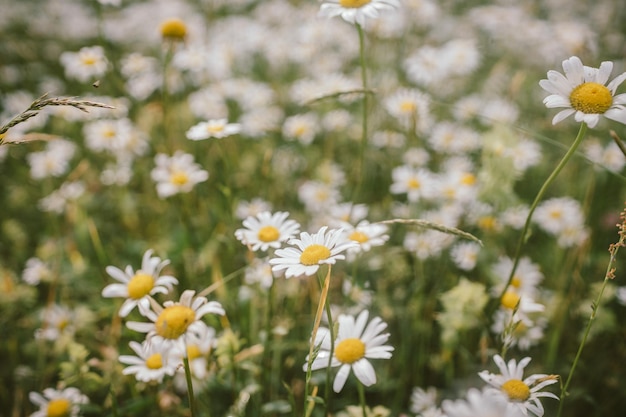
(341, 378)
(364, 371)
(617, 113)
(554, 100)
(616, 82)
(115, 290)
(604, 72)
(563, 114)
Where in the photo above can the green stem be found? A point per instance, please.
(609, 275)
(361, 164)
(331, 328)
(542, 190)
(192, 401)
(361, 390)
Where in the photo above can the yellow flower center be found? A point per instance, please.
(487, 223)
(408, 107)
(59, 407)
(313, 254)
(516, 390)
(174, 29)
(591, 98)
(173, 321)
(214, 128)
(193, 352)
(516, 281)
(468, 179)
(349, 350)
(155, 361)
(88, 60)
(509, 300)
(413, 183)
(62, 324)
(140, 285)
(358, 237)
(353, 4)
(179, 178)
(109, 133)
(268, 234)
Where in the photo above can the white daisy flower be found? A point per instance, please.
(367, 235)
(57, 321)
(172, 323)
(355, 343)
(36, 271)
(89, 62)
(356, 11)
(526, 279)
(137, 286)
(312, 251)
(423, 399)
(267, 230)
(176, 174)
(465, 255)
(152, 362)
(54, 402)
(523, 395)
(583, 93)
(417, 183)
(479, 403)
(216, 128)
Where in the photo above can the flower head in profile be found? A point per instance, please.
(311, 251)
(172, 323)
(583, 91)
(522, 394)
(65, 402)
(356, 342)
(267, 230)
(137, 286)
(356, 11)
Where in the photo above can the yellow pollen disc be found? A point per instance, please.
(179, 178)
(468, 179)
(193, 352)
(487, 223)
(516, 390)
(108, 133)
(509, 300)
(214, 128)
(61, 325)
(555, 214)
(268, 234)
(358, 237)
(300, 130)
(174, 29)
(313, 254)
(349, 350)
(408, 107)
(353, 4)
(59, 407)
(88, 60)
(155, 361)
(516, 281)
(413, 183)
(140, 285)
(173, 321)
(591, 98)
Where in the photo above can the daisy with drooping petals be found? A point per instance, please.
(312, 251)
(356, 342)
(217, 128)
(522, 394)
(152, 362)
(266, 230)
(136, 287)
(355, 11)
(171, 323)
(54, 402)
(583, 93)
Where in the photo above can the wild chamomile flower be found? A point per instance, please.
(171, 323)
(313, 250)
(152, 362)
(367, 235)
(583, 92)
(58, 403)
(356, 11)
(176, 174)
(483, 403)
(267, 230)
(417, 183)
(137, 286)
(356, 342)
(90, 62)
(215, 128)
(173, 29)
(523, 394)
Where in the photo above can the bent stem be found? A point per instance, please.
(609, 275)
(316, 325)
(542, 190)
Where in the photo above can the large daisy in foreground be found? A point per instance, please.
(356, 342)
(312, 250)
(522, 394)
(355, 11)
(583, 92)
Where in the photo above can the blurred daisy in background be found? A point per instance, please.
(86, 64)
(479, 403)
(356, 11)
(64, 402)
(583, 91)
(311, 250)
(215, 128)
(176, 174)
(366, 234)
(138, 286)
(152, 363)
(355, 343)
(523, 395)
(267, 230)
